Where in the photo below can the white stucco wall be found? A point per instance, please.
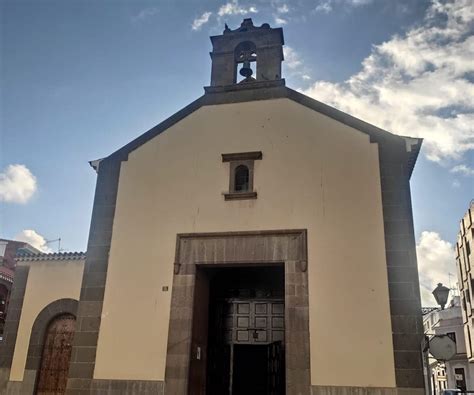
(316, 174)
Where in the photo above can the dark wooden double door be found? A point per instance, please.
(54, 367)
(246, 348)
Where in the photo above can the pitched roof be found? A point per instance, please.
(267, 90)
(56, 256)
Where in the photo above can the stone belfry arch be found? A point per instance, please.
(248, 43)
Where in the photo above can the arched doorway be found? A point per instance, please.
(54, 367)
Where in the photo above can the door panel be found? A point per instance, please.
(52, 376)
(219, 374)
(249, 373)
(276, 369)
(239, 328)
(254, 322)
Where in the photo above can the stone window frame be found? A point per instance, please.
(235, 160)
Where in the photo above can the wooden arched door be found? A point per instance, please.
(54, 367)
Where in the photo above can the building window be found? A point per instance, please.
(241, 175)
(452, 335)
(460, 378)
(465, 255)
(460, 271)
(241, 182)
(469, 342)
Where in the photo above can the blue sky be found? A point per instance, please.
(79, 79)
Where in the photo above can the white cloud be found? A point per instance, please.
(294, 65)
(145, 14)
(324, 6)
(202, 20)
(435, 263)
(17, 184)
(357, 3)
(33, 238)
(292, 58)
(456, 184)
(419, 84)
(463, 169)
(280, 21)
(234, 8)
(283, 9)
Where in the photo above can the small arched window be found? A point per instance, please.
(241, 182)
(241, 174)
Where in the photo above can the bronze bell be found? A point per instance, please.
(246, 71)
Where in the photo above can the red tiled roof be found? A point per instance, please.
(6, 274)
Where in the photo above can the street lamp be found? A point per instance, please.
(441, 294)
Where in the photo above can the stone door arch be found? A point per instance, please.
(47, 316)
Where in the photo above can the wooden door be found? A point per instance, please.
(254, 321)
(275, 372)
(219, 365)
(52, 376)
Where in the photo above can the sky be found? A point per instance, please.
(80, 79)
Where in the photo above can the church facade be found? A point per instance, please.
(255, 242)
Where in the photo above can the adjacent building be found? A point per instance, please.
(457, 372)
(257, 241)
(8, 251)
(464, 248)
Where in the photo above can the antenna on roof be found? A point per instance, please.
(58, 240)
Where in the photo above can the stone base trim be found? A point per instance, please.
(25, 387)
(4, 377)
(130, 387)
(148, 387)
(89, 387)
(334, 390)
